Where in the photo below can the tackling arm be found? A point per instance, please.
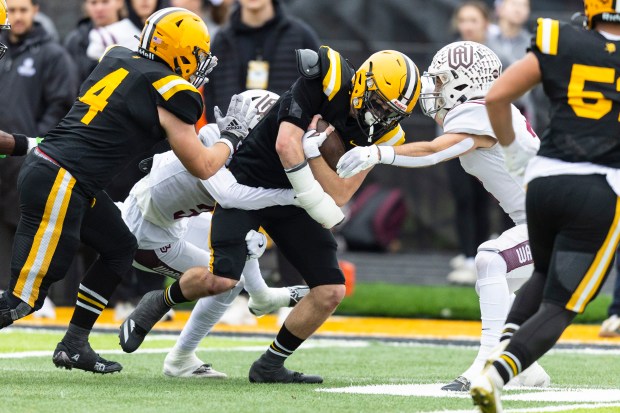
(200, 161)
(16, 144)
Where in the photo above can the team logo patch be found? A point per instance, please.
(461, 56)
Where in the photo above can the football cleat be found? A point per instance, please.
(148, 312)
(610, 327)
(533, 376)
(83, 358)
(459, 384)
(276, 298)
(485, 391)
(176, 365)
(261, 372)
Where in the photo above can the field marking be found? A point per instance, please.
(561, 408)
(310, 345)
(594, 397)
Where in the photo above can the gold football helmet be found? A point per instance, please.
(181, 39)
(385, 90)
(4, 24)
(601, 10)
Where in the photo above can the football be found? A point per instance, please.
(333, 147)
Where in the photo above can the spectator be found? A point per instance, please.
(99, 13)
(471, 21)
(256, 50)
(511, 40)
(139, 10)
(213, 12)
(39, 80)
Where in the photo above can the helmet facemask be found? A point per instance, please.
(432, 99)
(377, 111)
(205, 64)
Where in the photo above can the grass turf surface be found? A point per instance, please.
(33, 384)
(440, 302)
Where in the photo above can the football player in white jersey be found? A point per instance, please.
(169, 213)
(453, 91)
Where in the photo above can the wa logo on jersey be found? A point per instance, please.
(461, 56)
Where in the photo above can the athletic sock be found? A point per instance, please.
(204, 316)
(282, 347)
(509, 330)
(173, 295)
(252, 278)
(88, 307)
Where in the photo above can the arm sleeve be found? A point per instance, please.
(302, 102)
(60, 87)
(230, 194)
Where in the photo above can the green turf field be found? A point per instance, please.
(31, 383)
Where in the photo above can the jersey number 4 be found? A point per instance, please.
(97, 96)
(597, 104)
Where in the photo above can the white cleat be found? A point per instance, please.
(485, 391)
(275, 298)
(189, 365)
(610, 327)
(533, 376)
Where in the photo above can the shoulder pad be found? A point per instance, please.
(308, 63)
(547, 36)
(393, 137)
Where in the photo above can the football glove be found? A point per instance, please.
(361, 158)
(234, 126)
(312, 141)
(256, 243)
(516, 157)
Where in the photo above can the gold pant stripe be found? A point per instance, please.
(46, 239)
(90, 300)
(595, 274)
(212, 258)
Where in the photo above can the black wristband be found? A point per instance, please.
(232, 138)
(21, 144)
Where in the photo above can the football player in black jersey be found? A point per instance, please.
(128, 103)
(365, 107)
(572, 203)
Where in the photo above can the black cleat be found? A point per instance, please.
(83, 358)
(134, 329)
(458, 384)
(263, 373)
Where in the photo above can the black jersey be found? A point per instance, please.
(257, 163)
(115, 118)
(579, 75)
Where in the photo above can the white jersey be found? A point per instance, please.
(170, 193)
(487, 164)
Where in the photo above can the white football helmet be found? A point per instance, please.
(262, 101)
(459, 72)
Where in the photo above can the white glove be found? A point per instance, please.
(311, 196)
(517, 156)
(312, 141)
(256, 243)
(234, 126)
(361, 158)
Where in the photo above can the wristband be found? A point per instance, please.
(232, 138)
(21, 144)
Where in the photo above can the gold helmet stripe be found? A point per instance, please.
(153, 20)
(547, 35)
(331, 81)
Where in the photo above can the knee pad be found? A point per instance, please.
(490, 264)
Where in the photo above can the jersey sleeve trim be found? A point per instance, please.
(332, 80)
(547, 34)
(393, 137)
(169, 85)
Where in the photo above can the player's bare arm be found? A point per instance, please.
(514, 82)
(200, 161)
